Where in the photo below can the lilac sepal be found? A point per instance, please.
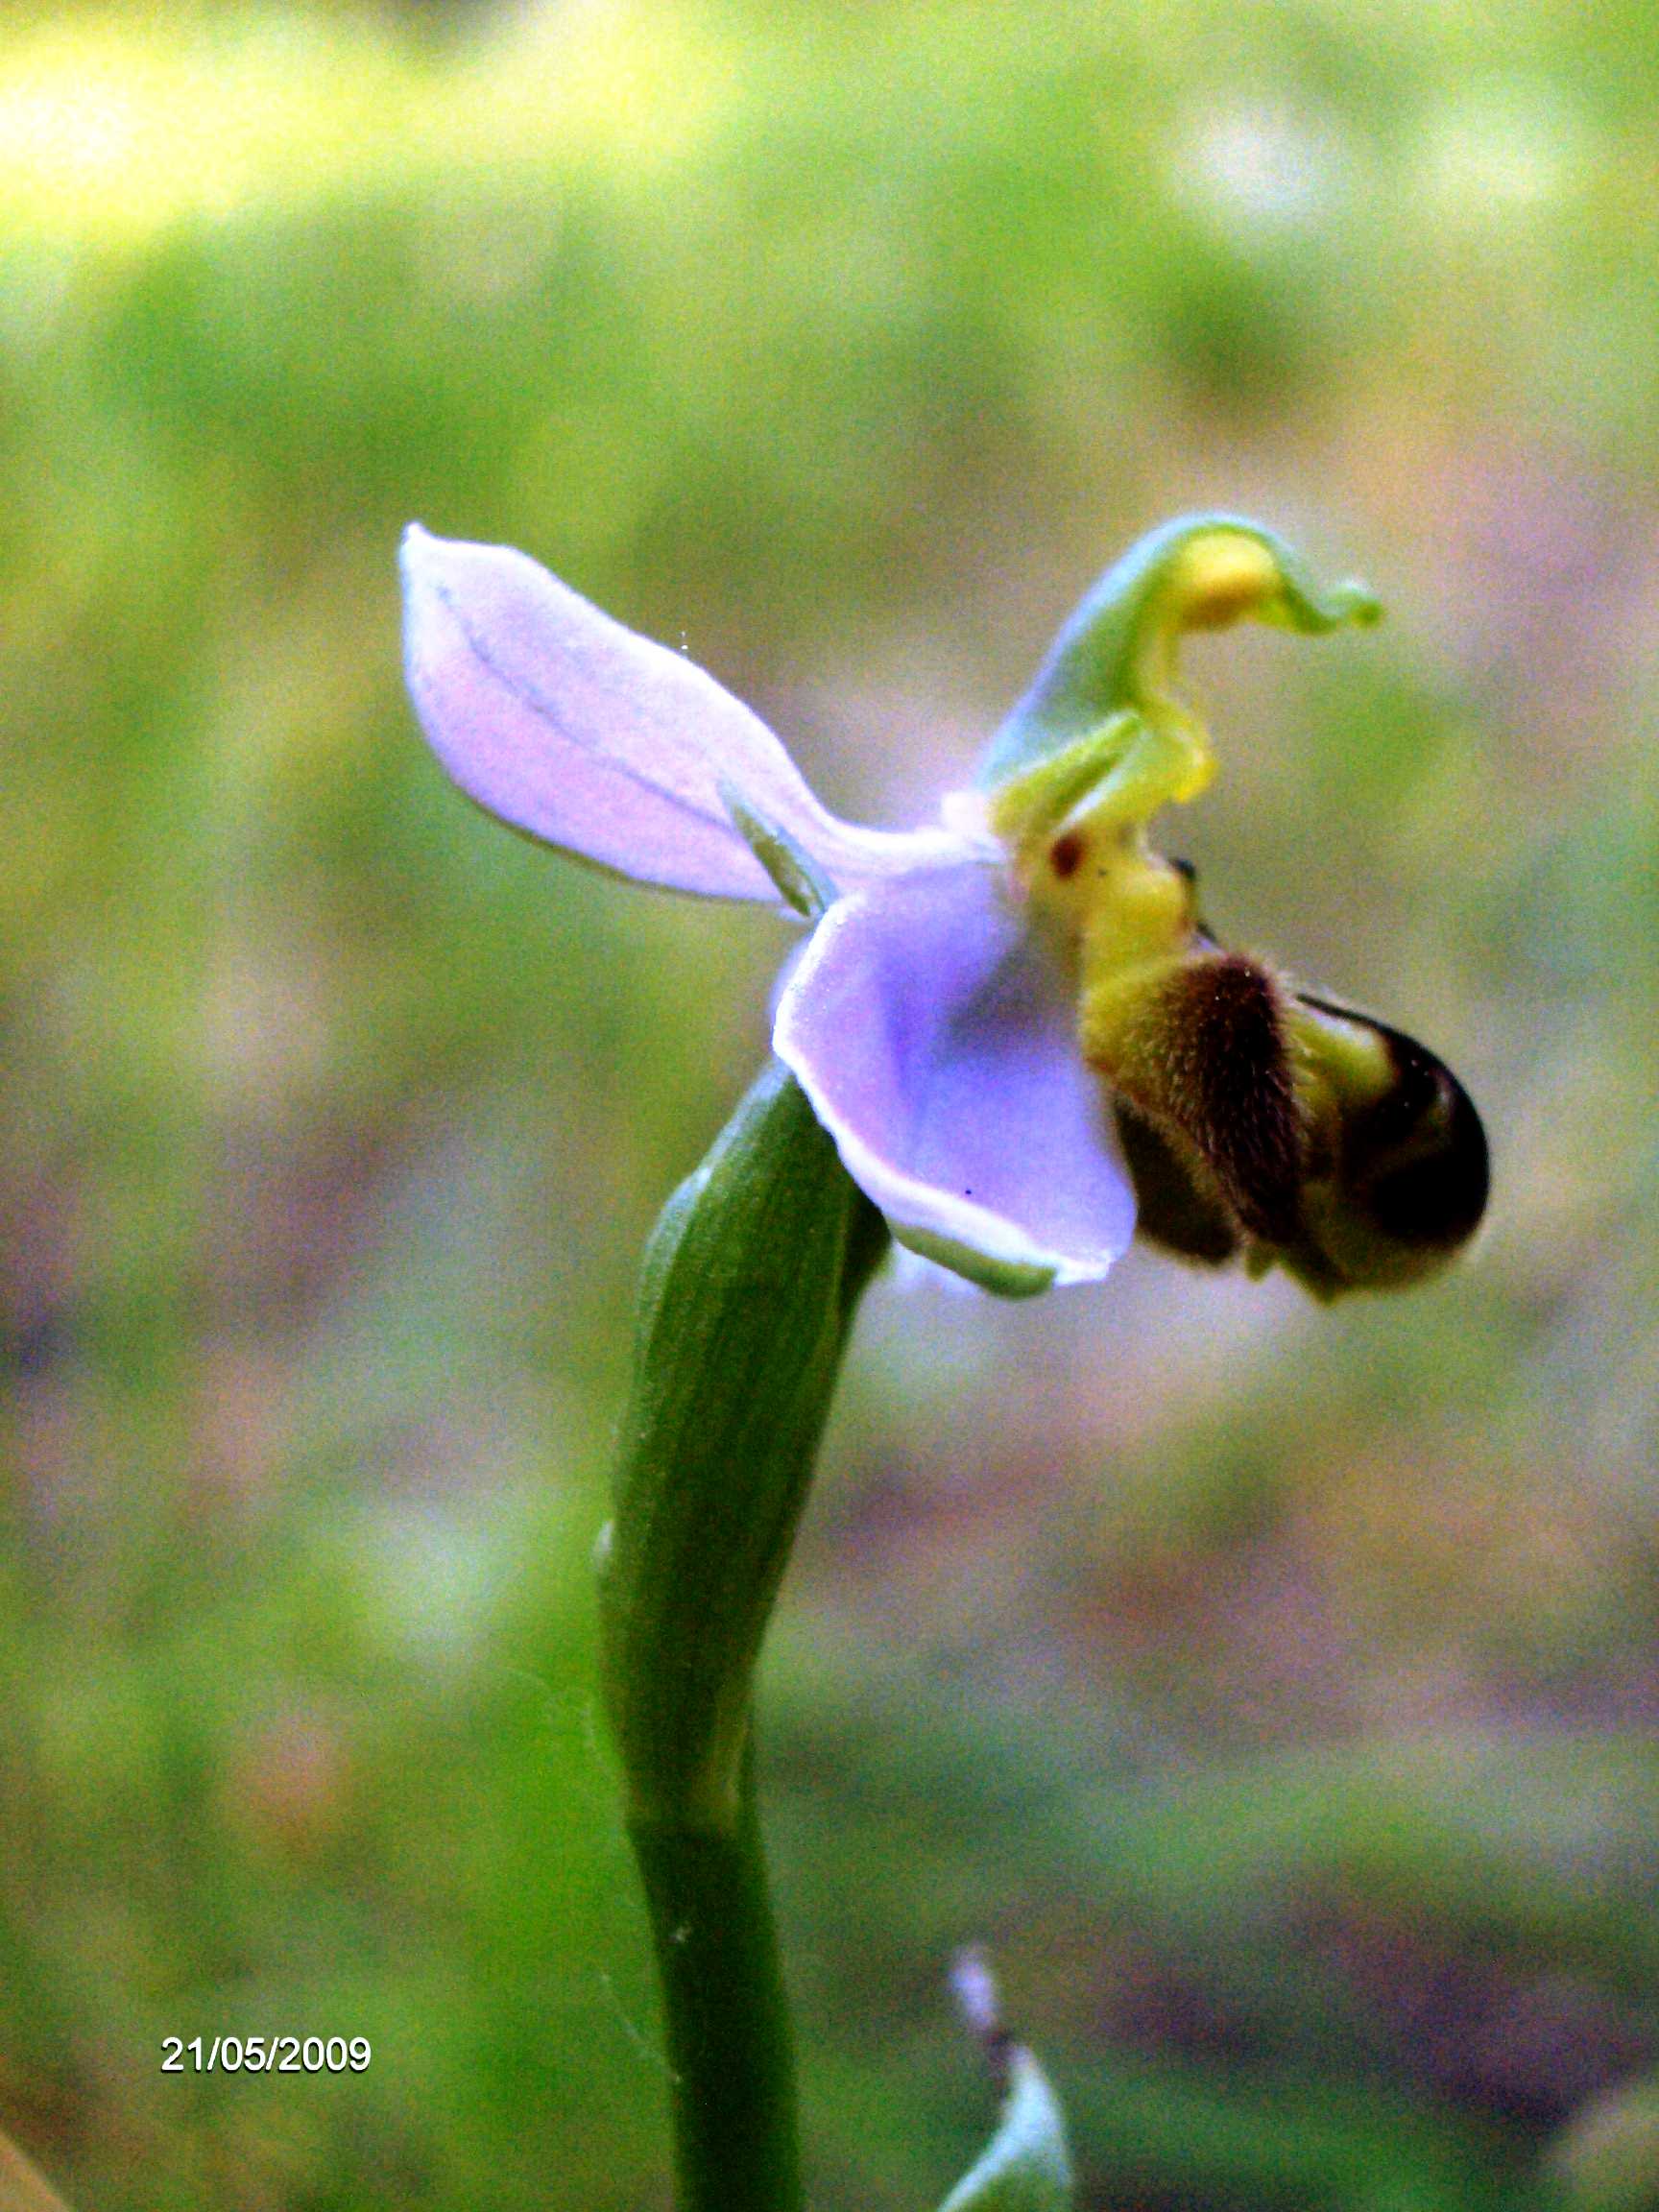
(933, 1033)
(570, 726)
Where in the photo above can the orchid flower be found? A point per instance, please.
(1018, 1036)
(1013, 1022)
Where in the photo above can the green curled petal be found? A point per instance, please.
(1006, 1278)
(1117, 652)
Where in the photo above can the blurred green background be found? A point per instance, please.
(1273, 1690)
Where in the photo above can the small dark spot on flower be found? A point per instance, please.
(1065, 855)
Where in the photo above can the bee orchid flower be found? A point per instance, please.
(1012, 1022)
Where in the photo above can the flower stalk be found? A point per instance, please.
(751, 1281)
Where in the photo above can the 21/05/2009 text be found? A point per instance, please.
(265, 2054)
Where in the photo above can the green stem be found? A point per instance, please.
(726, 2016)
(751, 1282)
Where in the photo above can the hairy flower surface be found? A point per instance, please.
(1012, 1022)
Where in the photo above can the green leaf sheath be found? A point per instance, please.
(750, 1279)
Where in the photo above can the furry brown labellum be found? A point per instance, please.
(1203, 1053)
(1257, 1121)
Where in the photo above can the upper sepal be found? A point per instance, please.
(576, 730)
(572, 728)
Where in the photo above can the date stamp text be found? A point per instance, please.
(265, 2054)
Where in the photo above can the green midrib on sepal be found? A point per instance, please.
(799, 881)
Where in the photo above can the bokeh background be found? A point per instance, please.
(1273, 1690)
